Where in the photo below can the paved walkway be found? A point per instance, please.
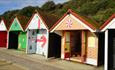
(7, 65)
(37, 62)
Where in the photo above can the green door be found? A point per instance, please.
(22, 41)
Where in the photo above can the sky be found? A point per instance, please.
(6, 5)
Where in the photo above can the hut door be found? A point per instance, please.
(3, 39)
(111, 50)
(32, 36)
(22, 40)
(67, 45)
(41, 41)
(13, 40)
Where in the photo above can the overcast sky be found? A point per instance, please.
(6, 5)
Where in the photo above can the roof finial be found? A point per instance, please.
(36, 11)
(15, 15)
(69, 11)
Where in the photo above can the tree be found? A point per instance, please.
(48, 6)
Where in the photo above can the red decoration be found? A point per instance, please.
(38, 23)
(69, 23)
(42, 39)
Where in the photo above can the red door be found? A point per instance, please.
(3, 39)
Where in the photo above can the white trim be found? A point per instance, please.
(62, 47)
(59, 23)
(7, 39)
(108, 25)
(18, 23)
(47, 44)
(27, 42)
(82, 23)
(106, 51)
(58, 33)
(62, 56)
(91, 61)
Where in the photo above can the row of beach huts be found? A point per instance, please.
(72, 37)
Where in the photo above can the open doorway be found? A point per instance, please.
(75, 43)
(13, 40)
(101, 48)
(111, 49)
(54, 49)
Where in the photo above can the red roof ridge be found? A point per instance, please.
(29, 20)
(83, 20)
(41, 17)
(11, 21)
(77, 16)
(19, 22)
(107, 21)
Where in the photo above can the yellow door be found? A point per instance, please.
(67, 44)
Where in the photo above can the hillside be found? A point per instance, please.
(98, 10)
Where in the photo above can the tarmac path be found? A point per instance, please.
(19, 60)
(25, 63)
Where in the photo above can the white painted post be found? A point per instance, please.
(27, 41)
(62, 47)
(106, 51)
(7, 39)
(47, 44)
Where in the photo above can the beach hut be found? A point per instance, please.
(109, 29)
(38, 33)
(3, 34)
(79, 38)
(17, 36)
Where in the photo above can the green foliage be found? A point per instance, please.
(88, 8)
(103, 15)
(27, 11)
(58, 6)
(48, 6)
(99, 10)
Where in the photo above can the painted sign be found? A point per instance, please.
(41, 40)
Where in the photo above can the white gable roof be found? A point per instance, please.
(2, 26)
(111, 25)
(33, 24)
